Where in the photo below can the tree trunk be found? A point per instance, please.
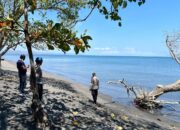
(36, 106)
(1, 46)
(29, 46)
(164, 89)
(146, 99)
(0, 61)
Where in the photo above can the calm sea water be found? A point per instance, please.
(144, 72)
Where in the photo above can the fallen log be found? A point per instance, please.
(160, 89)
(146, 99)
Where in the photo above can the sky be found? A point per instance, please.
(143, 31)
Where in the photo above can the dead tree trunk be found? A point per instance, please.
(146, 99)
(160, 90)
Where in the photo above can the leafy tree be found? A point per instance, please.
(31, 18)
(7, 42)
(10, 36)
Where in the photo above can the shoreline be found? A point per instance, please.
(106, 100)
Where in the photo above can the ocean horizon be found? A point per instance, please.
(139, 71)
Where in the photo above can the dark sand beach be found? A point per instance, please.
(63, 100)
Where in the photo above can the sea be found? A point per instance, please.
(140, 72)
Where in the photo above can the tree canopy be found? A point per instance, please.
(45, 32)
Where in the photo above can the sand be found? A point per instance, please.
(64, 100)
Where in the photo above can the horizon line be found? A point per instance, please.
(61, 54)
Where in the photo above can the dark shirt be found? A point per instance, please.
(21, 67)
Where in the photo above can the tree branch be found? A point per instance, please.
(169, 45)
(84, 19)
(128, 88)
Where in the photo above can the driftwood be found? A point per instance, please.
(146, 99)
(164, 89)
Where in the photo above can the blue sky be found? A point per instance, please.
(143, 30)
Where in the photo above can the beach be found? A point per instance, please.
(65, 99)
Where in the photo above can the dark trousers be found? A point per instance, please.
(94, 93)
(40, 91)
(22, 82)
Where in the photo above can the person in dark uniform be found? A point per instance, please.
(22, 69)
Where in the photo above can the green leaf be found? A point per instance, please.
(82, 48)
(105, 10)
(57, 26)
(87, 37)
(99, 4)
(119, 24)
(139, 3)
(116, 17)
(76, 49)
(87, 46)
(66, 47)
(124, 4)
(33, 5)
(120, 2)
(115, 4)
(30, 2)
(50, 47)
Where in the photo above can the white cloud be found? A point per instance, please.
(113, 51)
(127, 51)
(103, 49)
(130, 50)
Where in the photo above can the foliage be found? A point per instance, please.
(60, 33)
(111, 8)
(10, 36)
(46, 33)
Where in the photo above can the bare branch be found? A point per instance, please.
(128, 88)
(172, 46)
(84, 19)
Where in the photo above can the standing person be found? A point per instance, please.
(94, 87)
(22, 69)
(39, 76)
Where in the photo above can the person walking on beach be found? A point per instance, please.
(94, 87)
(39, 82)
(22, 69)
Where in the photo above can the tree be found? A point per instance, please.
(7, 42)
(172, 43)
(10, 36)
(61, 35)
